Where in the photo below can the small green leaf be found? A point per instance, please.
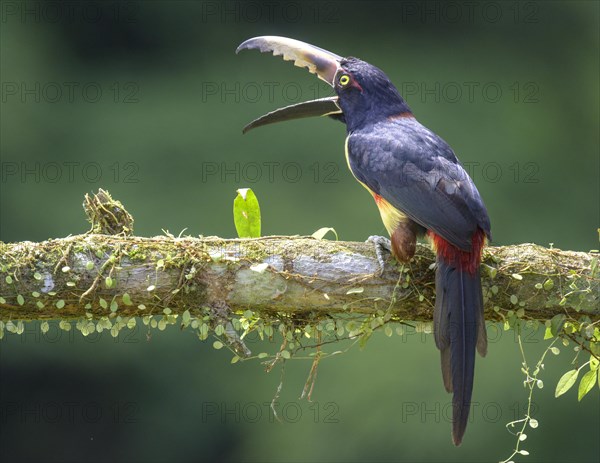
(286, 354)
(235, 360)
(89, 265)
(37, 276)
(517, 276)
(66, 269)
(533, 423)
(548, 284)
(217, 345)
(127, 299)
(587, 383)
(514, 299)
(64, 325)
(262, 355)
(44, 327)
(555, 350)
(540, 384)
(2, 300)
(186, 317)
(8, 279)
(103, 303)
(594, 266)
(167, 311)
(321, 232)
(109, 282)
(566, 382)
(20, 299)
(203, 331)
(246, 214)
(60, 304)
(150, 288)
(114, 306)
(594, 363)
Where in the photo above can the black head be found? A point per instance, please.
(365, 94)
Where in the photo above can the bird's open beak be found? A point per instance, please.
(318, 61)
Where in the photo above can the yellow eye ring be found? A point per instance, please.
(344, 80)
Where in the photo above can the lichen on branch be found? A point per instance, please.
(108, 278)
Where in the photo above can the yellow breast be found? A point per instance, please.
(390, 216)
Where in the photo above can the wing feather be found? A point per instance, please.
(418, 173)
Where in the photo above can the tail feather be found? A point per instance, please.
(459, 329)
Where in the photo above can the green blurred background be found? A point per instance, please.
(147, 99)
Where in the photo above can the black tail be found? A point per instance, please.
(459, 328)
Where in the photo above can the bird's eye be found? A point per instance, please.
(344, 80)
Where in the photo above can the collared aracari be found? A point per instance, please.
(420, 189)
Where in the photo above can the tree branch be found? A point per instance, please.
(107, 273)
(69, 277)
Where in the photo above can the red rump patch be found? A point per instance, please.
(378, 199)
(452, 255)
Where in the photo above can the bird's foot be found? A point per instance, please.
(381, 244)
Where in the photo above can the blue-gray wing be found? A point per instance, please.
(417, 172)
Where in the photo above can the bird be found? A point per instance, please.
(420, 188)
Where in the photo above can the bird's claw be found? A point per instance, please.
(381, 244)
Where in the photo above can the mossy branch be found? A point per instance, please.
(107, 275)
